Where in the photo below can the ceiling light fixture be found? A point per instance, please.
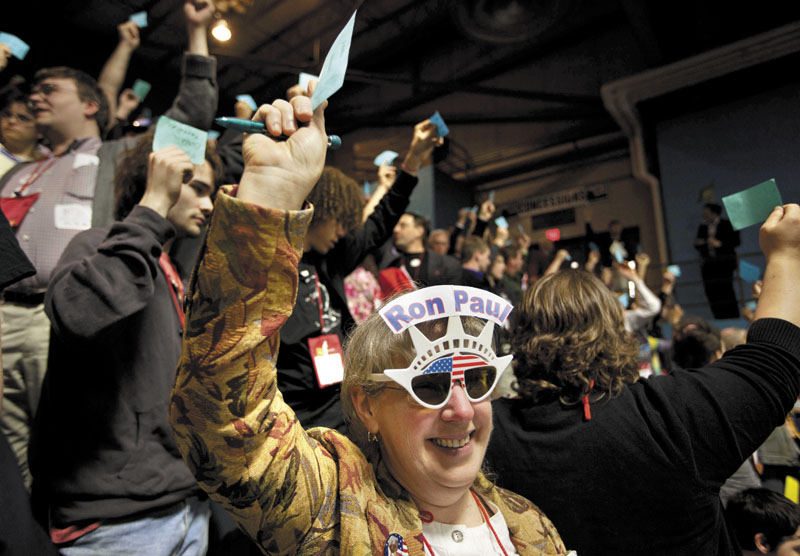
(221, 31)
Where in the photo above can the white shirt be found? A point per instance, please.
(449, 539)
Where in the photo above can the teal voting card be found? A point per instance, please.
(749, 272)
(753, 205)
(438, 121)
(331, 78)
(190, 139)
(251, 102)
(675, 270)
(140, 19)
(16, 45)
(386, 157)
(141, 88)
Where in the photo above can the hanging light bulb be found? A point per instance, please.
(221, 31)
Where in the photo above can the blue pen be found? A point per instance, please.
(249, 126)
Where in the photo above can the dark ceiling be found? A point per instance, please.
(512, 78)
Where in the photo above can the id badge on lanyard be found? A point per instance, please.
(326, 350)
(15, 208)
(326, 353)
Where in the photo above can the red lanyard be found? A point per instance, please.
(37, 173)
(319, 304)
(175, 285)
(485, 518)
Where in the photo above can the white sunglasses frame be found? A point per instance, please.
(403, 377)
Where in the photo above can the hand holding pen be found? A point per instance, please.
(250, 126)
(285, 159)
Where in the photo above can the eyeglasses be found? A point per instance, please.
(20, 117)
(46, 89)
(433, 386)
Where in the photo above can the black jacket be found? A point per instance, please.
(101, 446)
(642, 476)
(316, 406)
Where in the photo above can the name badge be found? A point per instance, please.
(83, 159)
(73, 217)
(326, 353)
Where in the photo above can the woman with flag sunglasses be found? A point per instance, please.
(416, 391)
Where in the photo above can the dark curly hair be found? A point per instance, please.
(571, 332)
(130, 179)
(337, 196)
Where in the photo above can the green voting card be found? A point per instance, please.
(190, 139)
(753, 205)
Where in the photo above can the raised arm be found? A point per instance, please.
(739, 399)
(779, 239)
(241, 441)
(113, 73)
(196, 102)
(104, 278)
(378, 226)
(199, 14)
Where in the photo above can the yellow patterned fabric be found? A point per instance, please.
(293, 491)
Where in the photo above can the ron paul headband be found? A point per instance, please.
(456, 357)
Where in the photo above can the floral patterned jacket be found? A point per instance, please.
(293, 491)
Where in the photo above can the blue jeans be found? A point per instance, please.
(177, 530)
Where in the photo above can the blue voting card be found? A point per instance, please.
(16, 45)
(753, 205)
(140, 19)
(367, 188)
(251, 102)
(474, 209)
(749, 272)
(141, 88)
(190, 139)
(751, 305)
(675, 270)
(491, 196)
(437, 120)
(305, 78)
(501, 222)
(520, 228)
(624, 299)
(386, 157)
(212, 134)
(593, 247)
(331, 78)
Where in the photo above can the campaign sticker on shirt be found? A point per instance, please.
(73, 217)
(326, 353)
(395, 546)
(84, 159)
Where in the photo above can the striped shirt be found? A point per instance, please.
(67, 185)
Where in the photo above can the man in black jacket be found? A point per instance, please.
(716, 241)
(406, 261)
(106, 469)
(309, 361)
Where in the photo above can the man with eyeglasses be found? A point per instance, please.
(50, 201)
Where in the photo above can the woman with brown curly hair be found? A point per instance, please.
(627, 466)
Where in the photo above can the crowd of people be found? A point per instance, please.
(247, 355)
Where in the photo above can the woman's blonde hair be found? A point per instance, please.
(371, 348)
(571, 331)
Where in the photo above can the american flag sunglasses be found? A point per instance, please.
(432, 386)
